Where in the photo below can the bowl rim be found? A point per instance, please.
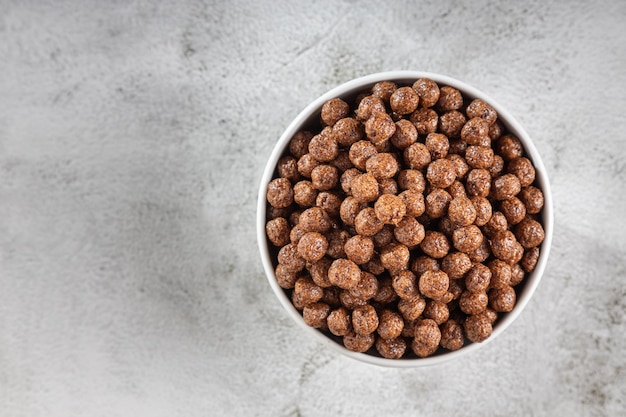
(362, 83)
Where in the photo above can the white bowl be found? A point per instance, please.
(348, 90)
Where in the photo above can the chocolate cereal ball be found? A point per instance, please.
(451, 124)
(467, 238)
(366, 223)
(532, 197)
(319, 272)
(478, 183)
(334, 110)
(337, 239)
(358, 343)
(366, 288)
(368, 107)
(324, 177)
(384, 90)
(478, 108)
(496, 130)
(437, 144)
(462, 211)
(405, 134)
(315, 314)
(473, 302)
(329, 201)
(287, 167)
(479, 156)
(409, 232)
(502, 299)
(312, 246)
(290, 259)
(483, 210)
(314, 219)
(379, 128)
(422, 264)
(324, 147)
(456, 264)
(477, 328)
(427, 90)
(505, 187)
(523, 169)
(411, 308)
(364, 188)
(414, 202)
(280, 193)
(360, 152)
(364, 320)
(529, 233)
(359, 249)
(382, 165)
(530, 258)
(374, 266)
(404, 100)
(304, 193)
(437, 203)
(417, 156)
(385, 294)
(339, 322)
(441, 173)
(460, 165)
(395, 256)
(346, 179)
(412, 179)
(349, 209)
(426, 339)
(344, 273)
(497, 223)
(513, 209)
(307, 291)
(285, 277)
(435, 244)
(476, 132)
(331, 296)
(390, 209)
(517, 275)
(299, 144)
(481, 253)
(388, 186)
(383, 237)
(433, 284)
(391, 348)
(509, 147)
(449, 99)
(456, 189)
(497, 167)
(347, 131)
(478, 278)
(436, 311)
(306, 164)
(424, 120)
(277, 231)
(505, 247)
(500, 273)
(452, 337)
(405, 284)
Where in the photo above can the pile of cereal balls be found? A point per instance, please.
(403, 223)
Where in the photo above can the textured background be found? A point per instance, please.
(133, 136)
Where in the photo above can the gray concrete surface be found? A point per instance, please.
(132, 138)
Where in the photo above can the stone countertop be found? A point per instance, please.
(132, 140)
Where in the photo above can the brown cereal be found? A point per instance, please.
(342, 162)
(456, 264)
(315, 314)
(500, 273)
(513, 209)
(280, 193)
(285, 277)
(347, 131)
(333, 110)
(304, 193)
(360, 152)
(383, 237)
(460, 165)
(412, 179)
(412, 308)
(473, 302)
(346, 179)
(477, 328)
(329, 201)
(386, 293)
(505, 187)
(505, 246)
(337, 239)
(530, 258)
(349, 209)
(358, 343)
(422, 264)
(296, 233)
(436, 311)
(349, 301)
(277, 231)
(325, 177)
(366, 288)
(323, 147)
(307, 291)
(478, 278)
(517, 274)
(437, 203)
(388, 186)
(319, 272)
(290, 259)
(339, 322)
(509, 147)
(374, 266)
(447, 226)
(476, 132)
(467, 238)
(331, 295)
(424, 120)
(502, 299)
(287, 167)
(435, 244)
(344, 274)
(497, 223)
(314, 219)
(483, 210)
(306, 163)
(417, 156)
(457, 147)
(384, 90)
(462, 211)
(452, 337)
(490, 314)
(404, 100)
(364, 320)
(481, 253)
(414, 202)
(299, 144)
(359, 249)
(437, 144)
(478, 108)
(364, 188)
(478, 182)
(382, 165)
(451, 124)
(390, 209)
(523, 169)
(409, 232)
(532, 197)
(497, 167)
(441, 173)
(479, 156)
(367, 223)
(273, 212)
(449, 98)
(379, 128)
(312, 246)
(427, 90)
(395, 256)
(405, 134)
(433, 284)
(404, 284)
(391, 348)
(529, 233)
(368, 107)
(427, 338)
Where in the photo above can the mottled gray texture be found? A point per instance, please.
(132, 139)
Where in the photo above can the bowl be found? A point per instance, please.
(310, 116)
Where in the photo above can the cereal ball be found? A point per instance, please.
(478, 278)
(513, 209)
(405, 134)
(505, 187)
(289, 257)
(366, 288)
(414, 202)
(411, 308)
(404, 284)
(447, 226)
(404, 100)
(296, 234)
(478, 182)
(339, 322)
(383, 237)
(409, 232)
(462, 211)
(331, 296)
(481, 253)
(437, 203)
(382, 165)
(280, 193)
(364, 320)
(456, 189)
(497, 223)
(384, 90)
(342, 162)
(364, 188)
(391, 348)
(349, 209)
(451, 124)
(329, 201)
(436, 311)
(360, 152)
(368, 107)
(478, 108)
(304, 193)
(395, 256)
(473, 302)
(476, 131)
(349, 301)
(467, 238)
(297, 301)
(277, 231)
(530, 258)
(460, 165)
(437, 144)
(496, 130)
(529, 233)
(497, 167)
(517, 274)
(385, 294)
(307, 291)
(287, 167)
(483, 210)
(334, 110)
(390, 209)
(315, 314)
(388, 186)
(477, 328)
(367, 223)
(379, 128)
(358, 343)
(523, 169)
(500, 273)
(422, 264)
(456, 264)
(417, 156)
(532, 197)
(457, 147)
(285, 277)
(452, 337)
(312, 246)
(299, 144)
(325, 177)
(441, 173)
(427, 90)
(509, 147)
(424, 120)
(323, 147)
(435, 244)
(346, 179)
(412, 179)
(314, 219)
(502, 299)
(306, 164)
(347, 131)
(427, 337)
(273, 212)
(337, 239)
(479, 156)
(359, 249)
(449, 99)
(344, 274)
(505, 247)
(319, 272)
(433, 284)
(490, 314)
